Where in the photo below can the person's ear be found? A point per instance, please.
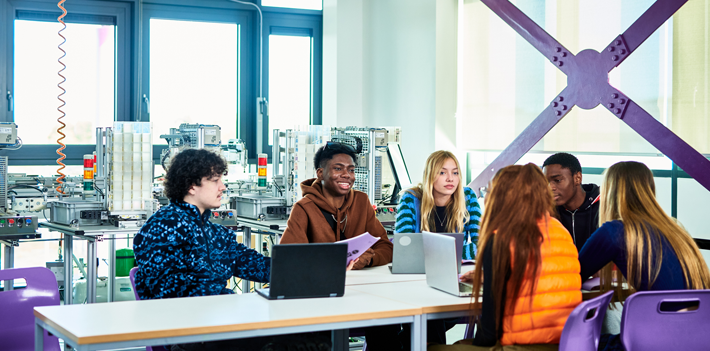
(192, 190)
(578, 179)
(319, 173)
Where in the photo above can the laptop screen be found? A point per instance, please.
(308, 270)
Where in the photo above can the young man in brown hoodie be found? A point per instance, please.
(331, 210)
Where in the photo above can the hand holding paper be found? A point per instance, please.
(358, 245)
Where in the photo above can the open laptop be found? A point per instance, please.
(440, 260)
(408, 252)
(306, 270)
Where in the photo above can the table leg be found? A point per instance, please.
(9, 258)
(246, 240)
(419, 332)
(339, 338)
(111, 268)
(91, 271)
(68, 269)
(39, 338)
(259, 245)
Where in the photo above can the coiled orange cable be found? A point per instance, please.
(62, 156)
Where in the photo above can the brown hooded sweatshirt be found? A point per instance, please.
(308, 225)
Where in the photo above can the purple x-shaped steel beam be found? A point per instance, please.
(588, 86)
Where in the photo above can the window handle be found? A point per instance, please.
(147, 103)
(10, 102)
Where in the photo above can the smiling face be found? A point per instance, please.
(338, 175)
(448, 179)
(207, 195)
(563, 183)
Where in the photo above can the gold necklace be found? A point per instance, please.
(441, 222)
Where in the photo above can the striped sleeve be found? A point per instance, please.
(472, 226)
(406, 221)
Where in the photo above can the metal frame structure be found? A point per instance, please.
(588, 86)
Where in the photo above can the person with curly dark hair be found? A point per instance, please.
(180, 253)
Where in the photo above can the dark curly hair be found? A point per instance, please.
(187, 168)
(331, 149)
(565, 160)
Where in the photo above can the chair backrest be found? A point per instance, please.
(17, 320)
(657, 320)
(132, 277)
(583, 327)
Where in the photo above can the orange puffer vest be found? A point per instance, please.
(557, 293)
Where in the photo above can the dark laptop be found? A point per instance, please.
(306, 270)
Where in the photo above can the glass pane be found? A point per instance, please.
(295, 4)
(506, 83)
(193, 75)
(289, 82)
(89, 86)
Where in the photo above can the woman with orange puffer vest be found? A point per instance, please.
(525, 307)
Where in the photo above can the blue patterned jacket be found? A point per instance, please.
(181, 253)
(409, 218)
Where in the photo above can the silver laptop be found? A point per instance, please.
(440, 261)
(408, 252)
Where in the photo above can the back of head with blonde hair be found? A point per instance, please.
(518, 198)
(455, 209)
(628, 194)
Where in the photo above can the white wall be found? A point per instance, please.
(342, 63)
(392, 63)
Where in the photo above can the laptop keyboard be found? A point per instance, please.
(465, 288)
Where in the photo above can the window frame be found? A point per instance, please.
(132, 55)
(247, 75)
(82, 11)
(295, 22)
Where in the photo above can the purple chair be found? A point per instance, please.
(591, 284)
(584, 324)
(666, 320)
(17, 320)
(132, 277)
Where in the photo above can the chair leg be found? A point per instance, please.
(470, 328)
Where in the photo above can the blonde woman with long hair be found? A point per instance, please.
(441, 204)
(650, 249)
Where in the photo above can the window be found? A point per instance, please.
(295, 4)
(89, 81)
(193, 75)
(289, 82)
(507, 82)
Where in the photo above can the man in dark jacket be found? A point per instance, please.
(577, 203)
(180, 253)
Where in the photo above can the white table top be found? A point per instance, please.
(137, 320)
(378, 275)
(382, 274)
(417, 293)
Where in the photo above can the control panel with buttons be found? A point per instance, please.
(387, 214)
(23, 227)
(226, 218)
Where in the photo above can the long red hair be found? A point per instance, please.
(518, 197)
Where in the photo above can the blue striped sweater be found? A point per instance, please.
(409, 218)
